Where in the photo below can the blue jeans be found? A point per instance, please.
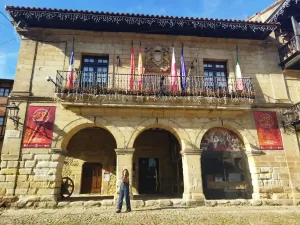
(124, 191)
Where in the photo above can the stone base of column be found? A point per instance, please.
(193, 196)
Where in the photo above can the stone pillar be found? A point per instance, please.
(58, 156)
(11, 155)
(254, 171)
(192, 177)
(124, 161)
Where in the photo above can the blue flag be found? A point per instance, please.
(182, 71)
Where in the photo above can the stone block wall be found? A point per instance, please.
(275, 174)
(258, 61)
(38, 172)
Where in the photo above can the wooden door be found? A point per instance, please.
(91, 178)
(96, 179)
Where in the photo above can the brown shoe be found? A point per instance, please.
(118, 211)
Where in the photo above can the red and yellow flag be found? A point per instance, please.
(132, 69)
(140, 69)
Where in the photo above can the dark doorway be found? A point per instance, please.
(225, 169)
(91, 178)
(225, 175)
(148, 175)
(157, 164)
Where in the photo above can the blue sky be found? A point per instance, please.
(227, 9)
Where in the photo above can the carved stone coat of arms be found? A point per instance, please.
(157, 60)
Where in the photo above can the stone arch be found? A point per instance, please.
(76, 125)
(248, 140)
(174, 128)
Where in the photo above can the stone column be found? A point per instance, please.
(124, 161)
(254, 171)
(58, 156)
(192, 177)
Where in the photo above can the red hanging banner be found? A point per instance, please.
(268, 132)
(39, 127)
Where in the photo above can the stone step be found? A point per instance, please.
(35, 202)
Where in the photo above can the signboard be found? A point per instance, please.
(268, 132)
(39, 127)
(106, 176)
(12, 133)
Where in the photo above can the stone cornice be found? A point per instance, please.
(124, 151)
(22, 96)
(254, 152)
(191, 151)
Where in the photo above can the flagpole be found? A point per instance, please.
(182, 71)
(132, 69)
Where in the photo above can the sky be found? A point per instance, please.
(222, 9)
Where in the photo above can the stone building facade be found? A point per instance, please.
(158, 137)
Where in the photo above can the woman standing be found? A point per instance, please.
(124, 191)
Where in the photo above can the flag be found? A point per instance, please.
(182, 71)
(132, 69)
(174, 79)
(140, 69)
(238, 73)
(71, 68)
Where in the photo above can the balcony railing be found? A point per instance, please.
(94, 83)
(290, 48)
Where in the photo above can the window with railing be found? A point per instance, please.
(94, 71)
(215, 75)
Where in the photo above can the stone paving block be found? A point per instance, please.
(92, 203)
(76, 203)
(137, 203)
(178, 202)
(150, 203)
(255, 202)
(107, 203)
(62, 204)
(165, 203)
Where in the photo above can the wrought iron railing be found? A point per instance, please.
(150, 84)
(289, 48)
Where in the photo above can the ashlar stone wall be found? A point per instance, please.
(258, 60)
(275, 174)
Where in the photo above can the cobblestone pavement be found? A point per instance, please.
(200, 215)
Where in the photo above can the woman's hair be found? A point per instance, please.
(125, 172)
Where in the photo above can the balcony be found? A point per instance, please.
(90, 87)
(289, 54)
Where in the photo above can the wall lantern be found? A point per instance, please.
(13, 112)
